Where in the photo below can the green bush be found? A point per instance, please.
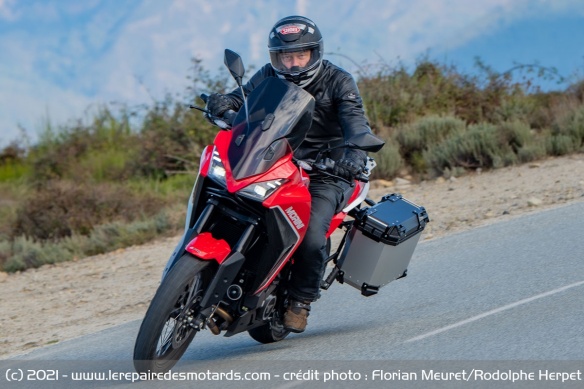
(23, 253)
(571, 125)
(427, 131)
(115, 235)
(561, 144)
(516, 134)
(531, 152)
(514, 108)
(12, 171)
(417, 137)
(479, 147)
(61, 208)
(389, 161)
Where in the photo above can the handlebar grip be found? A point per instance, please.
(204, 97)
(229, 116)
(362, 177)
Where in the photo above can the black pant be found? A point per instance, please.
(328, 198)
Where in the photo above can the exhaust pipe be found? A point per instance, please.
(222, 313)
(213, 326)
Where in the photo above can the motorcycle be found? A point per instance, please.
(248, 212)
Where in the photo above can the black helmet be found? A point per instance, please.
(296, 34)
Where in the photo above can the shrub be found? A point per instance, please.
(561, 144)
(477, 147)
(115, 235)
(12, 171)
(389, 161)
(23, 253)
(516, 134)
(531, 152)
(514, 109)
(572, 125)
(417, 137)
(429, 130)
(72, 151)
(60, 208)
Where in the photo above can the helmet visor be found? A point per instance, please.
(299, 60)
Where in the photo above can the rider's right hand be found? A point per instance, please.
(218, 104)
(351, 165)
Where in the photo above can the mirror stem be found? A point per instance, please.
(245, 106)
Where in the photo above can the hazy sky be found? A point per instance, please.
(60, 59)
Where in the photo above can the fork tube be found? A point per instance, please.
(243, 242)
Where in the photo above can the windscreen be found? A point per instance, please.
(280, 114)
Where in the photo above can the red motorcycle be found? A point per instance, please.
(247, 214)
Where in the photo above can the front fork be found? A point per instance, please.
(226, 273)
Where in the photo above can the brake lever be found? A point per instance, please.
(224, 122)
(199, 108)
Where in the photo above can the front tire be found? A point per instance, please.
(165, 334)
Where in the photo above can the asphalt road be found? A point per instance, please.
(504, 297)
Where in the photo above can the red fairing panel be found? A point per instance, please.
(338, 219)
(205, 162)
(206, 247)
(282, 169)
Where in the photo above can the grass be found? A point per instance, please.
(23, 253)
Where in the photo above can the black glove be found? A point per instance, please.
(218, 104)
(352, 163)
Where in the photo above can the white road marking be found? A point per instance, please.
(494, 311)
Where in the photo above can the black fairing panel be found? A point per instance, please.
(280, 115)
(276, 247)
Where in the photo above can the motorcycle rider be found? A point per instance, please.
(296, 54)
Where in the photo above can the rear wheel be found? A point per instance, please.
(165, 332)
(272, 314)
(271, 332)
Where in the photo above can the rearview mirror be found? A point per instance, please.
(235, 65)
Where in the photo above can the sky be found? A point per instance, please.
(62, 59)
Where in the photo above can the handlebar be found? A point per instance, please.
(327, 166)
(223, 122)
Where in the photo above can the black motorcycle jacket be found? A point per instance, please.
(338, 113)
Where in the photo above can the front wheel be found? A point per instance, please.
(165, 332)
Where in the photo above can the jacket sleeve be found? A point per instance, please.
(254, 81)
(351, 113)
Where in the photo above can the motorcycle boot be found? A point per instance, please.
(296, 316)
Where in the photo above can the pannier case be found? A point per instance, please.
(381, 243)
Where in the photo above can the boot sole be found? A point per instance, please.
(294, 330)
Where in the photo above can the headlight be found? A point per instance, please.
(216, 169)
(261, 190)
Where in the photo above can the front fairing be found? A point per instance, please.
(280, 114)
